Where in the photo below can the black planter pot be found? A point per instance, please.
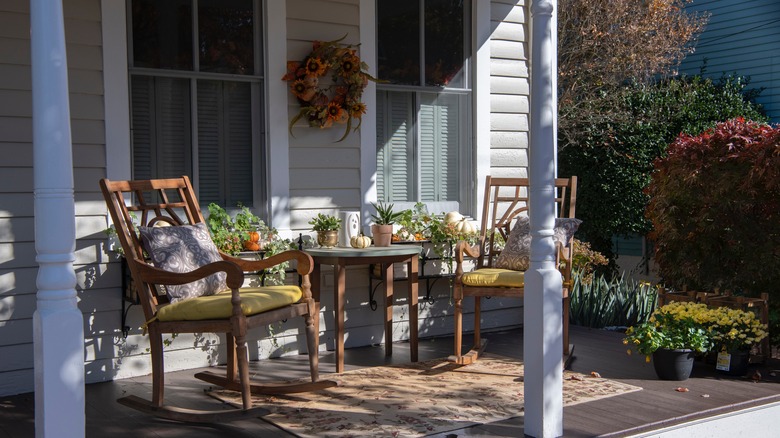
(739, 363)
(673, 364)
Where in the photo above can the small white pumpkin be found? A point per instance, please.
(464, 226)
(404, 234)
(453, 217)
(360, 241)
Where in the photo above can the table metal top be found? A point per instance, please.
(371, 251)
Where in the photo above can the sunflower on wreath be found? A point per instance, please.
(325, 100)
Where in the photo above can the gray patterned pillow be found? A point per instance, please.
(184, 248)
(516, 255)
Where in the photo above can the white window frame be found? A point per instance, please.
(467, 150)
(257, 83)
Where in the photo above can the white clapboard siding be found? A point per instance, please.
(325, 176)
(742, 37)
(509, 89)
(318, 162)
(18, 268)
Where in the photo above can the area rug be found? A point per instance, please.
(417, 399)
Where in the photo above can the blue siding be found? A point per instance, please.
(742, 37)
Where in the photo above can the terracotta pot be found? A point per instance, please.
(328, 239)
(673, 364)
(383, 234)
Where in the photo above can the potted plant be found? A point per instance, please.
(734, 332)
(327, 228)
(253, 230)
(223, 230)
(382, 229)
(672, 335)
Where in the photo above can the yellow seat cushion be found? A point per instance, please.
(254, 300)
(494, 277)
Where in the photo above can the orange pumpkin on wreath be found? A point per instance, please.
(325, 102)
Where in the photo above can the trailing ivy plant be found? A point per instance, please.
(228, 234)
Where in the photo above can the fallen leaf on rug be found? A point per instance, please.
(417, 399)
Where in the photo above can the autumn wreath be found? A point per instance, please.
(326, 100)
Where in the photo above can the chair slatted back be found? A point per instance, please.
(171, 201)
(505, 200)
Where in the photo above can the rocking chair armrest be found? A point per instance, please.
(154, 275)
(564, 261)
(304, 267)
(462, 249)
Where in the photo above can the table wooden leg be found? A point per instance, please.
(387, 279)
(413, 314)
(314, 278)
(338, 305)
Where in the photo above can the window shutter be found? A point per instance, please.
(381, 142)
(143, 126)
(239, 152)
(439, 139)
(395, 158)
(224, 143)
(161, 127)
(173, 128)
(210, 179)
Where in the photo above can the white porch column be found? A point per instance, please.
(543, 314)
(58, 330)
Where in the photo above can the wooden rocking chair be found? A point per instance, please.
(506, 199)
(172, 202)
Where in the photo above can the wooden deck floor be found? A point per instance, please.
(656, 406)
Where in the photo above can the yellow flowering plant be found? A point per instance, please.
(677, 325)
(734, 329)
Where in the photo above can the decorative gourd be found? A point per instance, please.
(404, 234)
(453, 217)
(360, 241)
(465, 227)
(462, 225)
(251, 246)
(254, 236)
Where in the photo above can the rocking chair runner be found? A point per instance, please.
(506, 199)
(233, 312)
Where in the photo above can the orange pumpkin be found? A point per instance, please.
(251, 246)
(254, 236)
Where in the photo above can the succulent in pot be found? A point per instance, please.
(384, 219)
(327, 228)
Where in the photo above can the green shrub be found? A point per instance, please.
(612, 149)
(619, 302)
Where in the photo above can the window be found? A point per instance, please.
(424, 107)
(196, 96)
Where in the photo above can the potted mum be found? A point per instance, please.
(734, 332)
(672, 335)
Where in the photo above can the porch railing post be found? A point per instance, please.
(58, 325)
(543, 313)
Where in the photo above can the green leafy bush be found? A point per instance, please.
(613, 148)
(715, 209)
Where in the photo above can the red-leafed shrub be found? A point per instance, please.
(715, 209)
